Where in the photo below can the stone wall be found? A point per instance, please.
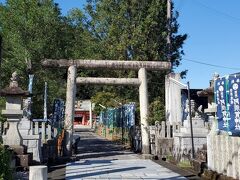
(224, 154)
(38, 135)
(162, 138)
(183, 147)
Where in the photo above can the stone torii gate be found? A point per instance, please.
(141, 81)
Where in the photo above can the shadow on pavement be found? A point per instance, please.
(101, 172)
(96, 148)
(57, 172)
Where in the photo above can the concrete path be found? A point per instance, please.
(102, 159)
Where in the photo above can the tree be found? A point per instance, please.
(33, 30)
(157, 111)
(6, 171)
(104, 99)
(136, 30)
(127, 29)
(83, 46)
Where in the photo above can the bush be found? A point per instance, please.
(5, 169)
(2, 106)
(156, 111)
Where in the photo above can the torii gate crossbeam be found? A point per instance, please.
(109, 64)
(108, 81)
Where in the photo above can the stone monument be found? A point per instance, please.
(14, 113)
(182, 139)
(30, 140)
(25, 124)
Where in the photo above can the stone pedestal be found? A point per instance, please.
(198, 126)
(33, 144)
(182, 140)
(38, 172)
(13, 136)
(25, 127)
(31, 141)
(183, 145)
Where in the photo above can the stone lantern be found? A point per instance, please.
(13, 112)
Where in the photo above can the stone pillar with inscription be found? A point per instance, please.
(182, 139)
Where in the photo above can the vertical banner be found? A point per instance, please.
(227, 94)
(123, 116)
(28, 102)
(45, 103)
(234, 94)
(30, 84)
(129, 114)
(58, 112)
(222, 105)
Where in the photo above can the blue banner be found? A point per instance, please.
(58, 111)
(129, 115)
(123, 116)
(222, 104)
(227, 96)
(234, 95)
(30, 84)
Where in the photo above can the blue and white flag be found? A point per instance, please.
(227, 96)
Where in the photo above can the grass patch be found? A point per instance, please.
(170, 158)
(184, 164)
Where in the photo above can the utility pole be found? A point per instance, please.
(169, 18)
(190, 118)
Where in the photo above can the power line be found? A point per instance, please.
(217, 11)
(208, 64)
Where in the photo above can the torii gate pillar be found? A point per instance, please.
(69, 109)
(143, 99)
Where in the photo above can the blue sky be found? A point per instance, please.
(213, 28)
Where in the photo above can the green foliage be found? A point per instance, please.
(31, 32)
(156, 111)
(106, 99)
(136, 30)
(81, 44)
(5, 170)
(2, 106)
(184, 164)
(170, 158)
(126, 30)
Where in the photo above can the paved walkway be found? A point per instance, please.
(102, 159)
